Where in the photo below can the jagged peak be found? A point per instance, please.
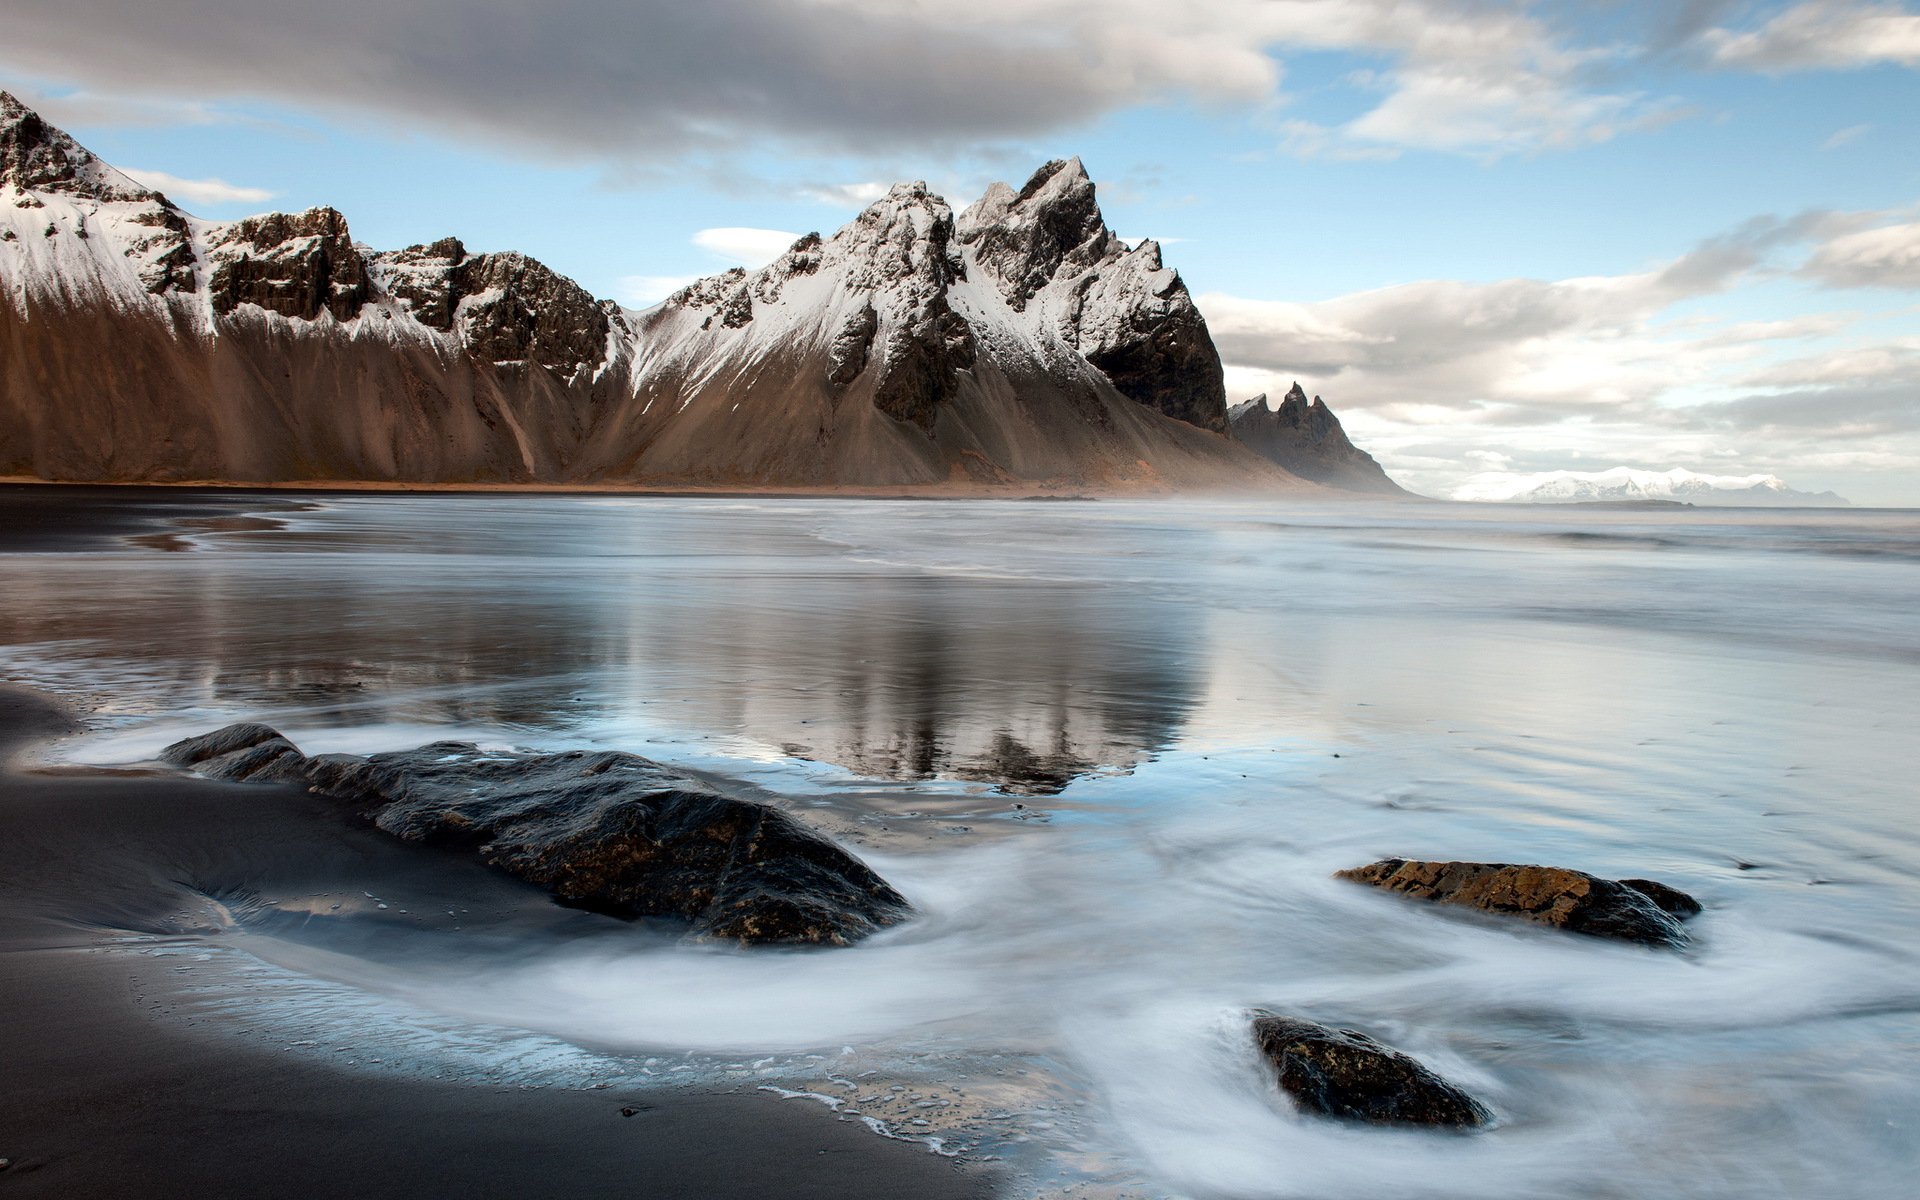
(1295, 395)
(36, 156)
(1051, 226)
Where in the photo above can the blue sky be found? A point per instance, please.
(1458, 220)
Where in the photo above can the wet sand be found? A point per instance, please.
(116, 1086)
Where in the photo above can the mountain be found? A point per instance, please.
(1307, 440)
(1018, 343)
(1627, 483)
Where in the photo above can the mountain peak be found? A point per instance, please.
(35, 156)
(1306, 438)
(1050, 227)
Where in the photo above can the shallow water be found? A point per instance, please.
(1113, 751)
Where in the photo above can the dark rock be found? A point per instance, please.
(296, 264)
(1672, 901)
(920, 369)
(1556, 896)
(248, 752)
(35, 156)
(518, 309)
(851, 348)
(606, 831)
(1344, 1073)
(1307, 439)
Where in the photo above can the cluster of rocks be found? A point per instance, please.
(605, 831)
(1344, 1073)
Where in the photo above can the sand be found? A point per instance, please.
(116, 1086)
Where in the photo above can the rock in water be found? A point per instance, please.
(611, 832)
(1565, 899)
(1344, 1073)
(247, 752)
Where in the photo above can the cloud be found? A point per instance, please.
(744, 246)
(200, 191)
(1822, 34)
(1841, 137)
(845, 195)
(1435, 376)
(1886, 256)
(649, 81)
(643, 291)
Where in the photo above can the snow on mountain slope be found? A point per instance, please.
(1629, 483)
(1020, 343)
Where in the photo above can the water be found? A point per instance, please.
(1113, 751)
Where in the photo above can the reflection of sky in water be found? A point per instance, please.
(1220, 704)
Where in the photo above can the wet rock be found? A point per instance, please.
(611, 832)
(1672, 901)
(1556, 896)
(248, 752)
(1344, 1073)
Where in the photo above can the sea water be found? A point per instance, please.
(1113, 752)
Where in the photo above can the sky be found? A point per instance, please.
(1498, 237)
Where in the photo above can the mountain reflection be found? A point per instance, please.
(543, 617)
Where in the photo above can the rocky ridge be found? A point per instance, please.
(1307, 440)
(1020, 342)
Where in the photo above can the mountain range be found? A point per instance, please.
(1018, 343)
(1627, 484)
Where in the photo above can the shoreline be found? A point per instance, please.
(120, 1086)
(931, 491)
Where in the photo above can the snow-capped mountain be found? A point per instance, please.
(1629, 484)
(1306, 439)
(1019, 342)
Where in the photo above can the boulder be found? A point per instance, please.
(1631, 910)
(601, 830)
(1344, 1073)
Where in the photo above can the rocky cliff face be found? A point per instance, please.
(1307, 440)
(1047, 246)
(1019, 342)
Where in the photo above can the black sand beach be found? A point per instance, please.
(113, 1089)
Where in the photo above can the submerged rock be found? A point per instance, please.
(1637, 910)
(1344, 1073)
(611, 832)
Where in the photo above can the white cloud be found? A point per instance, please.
(642, 291)
(845, 195)
(1435, 376)
(745, 246)
(1829, 34)
(1841, 137)
(200, 191)
(1887, 256)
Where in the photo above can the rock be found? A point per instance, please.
(610, 832)
(248, 752)
(1344, 1073)
(1672, 901)
(1307, 439)
(1556, 896)
(296, 264)
(1119, 306)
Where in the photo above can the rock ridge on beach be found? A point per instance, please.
(1637, 910)
(601, 830)
(1346, 1074)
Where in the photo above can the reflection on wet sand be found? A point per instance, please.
(893, 676)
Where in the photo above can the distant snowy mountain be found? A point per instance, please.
(1019, 342)
(1628, 484)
